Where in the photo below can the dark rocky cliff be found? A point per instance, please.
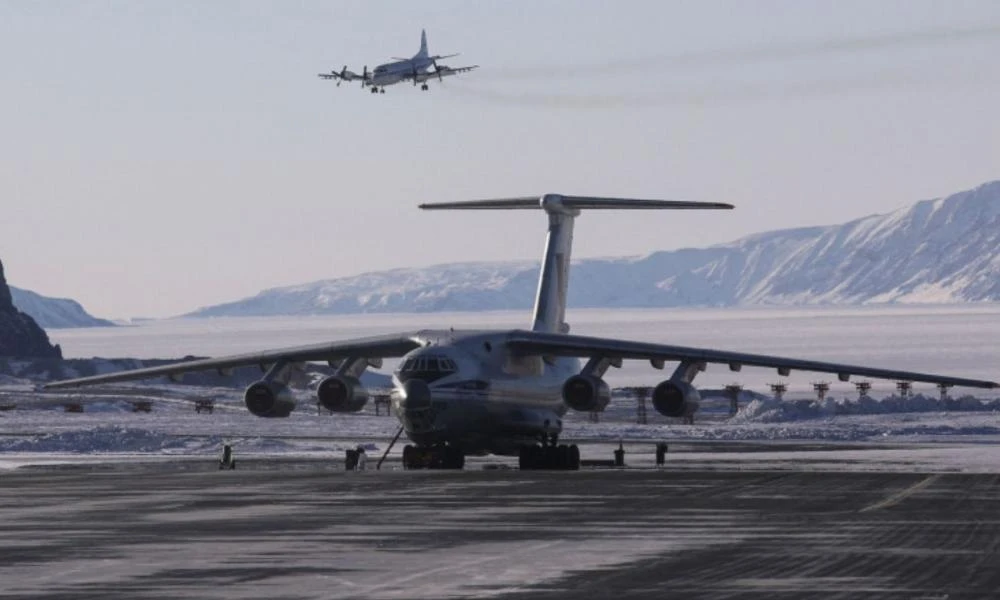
(20, 335)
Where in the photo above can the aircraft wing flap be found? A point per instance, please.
(552, 344)
(373, 347)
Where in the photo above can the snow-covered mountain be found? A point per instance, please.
(54, 313)
(936, 251)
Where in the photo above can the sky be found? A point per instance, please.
(160, 156)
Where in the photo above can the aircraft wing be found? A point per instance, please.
(554, 344)
(422, 76)
(388, 346)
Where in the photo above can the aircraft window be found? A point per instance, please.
(428, 368)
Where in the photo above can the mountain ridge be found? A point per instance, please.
(20, 335)
(942, 250)
(55, 313)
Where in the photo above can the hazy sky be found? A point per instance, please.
(160, 156)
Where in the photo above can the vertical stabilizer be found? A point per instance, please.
(423, 45)
(553, 279)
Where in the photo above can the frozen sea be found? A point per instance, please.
(962, 340)
(954, 340)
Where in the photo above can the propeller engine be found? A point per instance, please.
(364, 77)
(342, 393)
(675, 399)
(437, 69)
(342, 76)
(586, 393)
(269, 399)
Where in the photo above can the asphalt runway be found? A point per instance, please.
(287, 529)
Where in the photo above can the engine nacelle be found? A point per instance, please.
(675, 399)
(269, 399)
(341, 393)
(586, 393)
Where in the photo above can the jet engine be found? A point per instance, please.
(342, 393)
(269, 399)
(675, 398)
(586, 393)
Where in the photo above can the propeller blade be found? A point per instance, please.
(364, 76)
(437, 70)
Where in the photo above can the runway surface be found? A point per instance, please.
(301, 529)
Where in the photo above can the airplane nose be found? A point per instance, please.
(416, 395)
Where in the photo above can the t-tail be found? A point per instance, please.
(553, 279)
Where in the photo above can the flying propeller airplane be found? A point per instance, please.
(501, 392)
(421, 68)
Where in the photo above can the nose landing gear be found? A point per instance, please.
(549, 456)
(433, 457)
(424, 87)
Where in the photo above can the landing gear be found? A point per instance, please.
(424, 87)
(433, 457)
(549, 456)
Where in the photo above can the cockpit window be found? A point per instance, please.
(427, 368)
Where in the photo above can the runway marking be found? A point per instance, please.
(901, 495)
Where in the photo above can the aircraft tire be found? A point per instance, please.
(453, 458)
(574, 458)
(556, 458)
(563, 458)
(523, 462)
(408, 456)
(527, 459)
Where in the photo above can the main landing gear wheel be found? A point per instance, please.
(553, 458)
(433, 457)
(424, 87)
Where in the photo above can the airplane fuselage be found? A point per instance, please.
(394, 72)
(479, 396)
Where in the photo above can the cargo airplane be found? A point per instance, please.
(503, 392)
(417, 69)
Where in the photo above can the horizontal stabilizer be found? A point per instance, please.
(555, 201)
